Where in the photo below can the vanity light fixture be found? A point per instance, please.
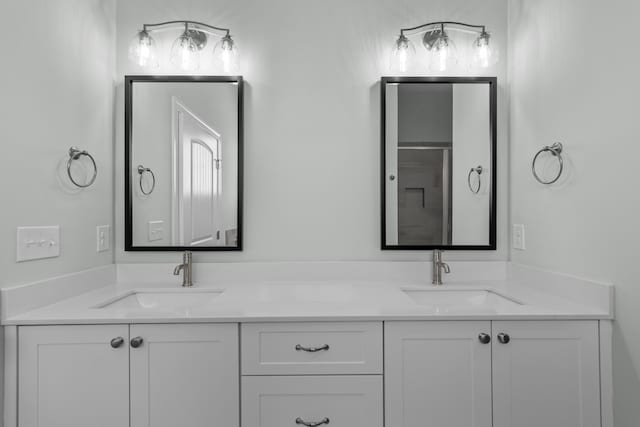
(441, 49)
(186, 49)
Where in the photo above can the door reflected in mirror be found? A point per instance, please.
(438, 167)
(184, 152)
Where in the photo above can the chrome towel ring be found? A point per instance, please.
(75, 154)
(141, 172)
(556, 150)
(478, 169)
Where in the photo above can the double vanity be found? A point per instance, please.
(310, 353)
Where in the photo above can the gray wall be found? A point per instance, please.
(312, 118)
(56, 84)
(584, 93)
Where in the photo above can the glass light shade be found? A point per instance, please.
(185, 53)
(485, 54)
(402, 54)
(225, 53)
(142, 50)
(442, 53)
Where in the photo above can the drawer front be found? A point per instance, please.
(334, 401)
(312, 348)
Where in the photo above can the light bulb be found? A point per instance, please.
(185, 53)
(484, 53)
(442, 50)
(142, 50)
(226, 54)
(402, 54)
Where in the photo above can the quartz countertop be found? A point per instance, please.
(289, 301)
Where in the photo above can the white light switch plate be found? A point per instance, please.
(156, 230)
(103, 238)
(37, 243)
(518, 237)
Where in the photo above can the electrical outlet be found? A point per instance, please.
(103, 238)
(37, 243)
(518, 237)
(155, 230)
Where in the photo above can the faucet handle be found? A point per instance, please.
(445, 267)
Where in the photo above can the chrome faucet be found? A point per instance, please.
(186, 270)
(438, 266)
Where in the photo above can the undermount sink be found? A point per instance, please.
(459, 298)
(153, 299)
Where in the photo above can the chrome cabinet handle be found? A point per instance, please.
(312, 349)
(504, 338)
(311, 423)
(484, 338)
(117, 342)
(136, 342)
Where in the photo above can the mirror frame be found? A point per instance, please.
(493, 97)
(128, 150)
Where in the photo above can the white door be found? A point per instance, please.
(197, 191)
(185, 375)
(547, 374)
(437, 374)
(321, 400)
(71, 376)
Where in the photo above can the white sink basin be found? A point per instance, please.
(165, 299)
(459, 298)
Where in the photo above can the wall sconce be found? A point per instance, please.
(441, 49)
(185, 51)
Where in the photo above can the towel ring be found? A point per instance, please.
(141, 171)
(556, 150)
(478, 170)
(75, 154)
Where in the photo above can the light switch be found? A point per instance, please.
(156, 230)
(103, 238)
(37, 243)
(518, 237)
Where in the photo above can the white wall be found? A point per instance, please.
(574, 78)
(56, 86)
(312, 117)
(471, 148)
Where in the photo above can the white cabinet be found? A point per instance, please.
(438, 374)
(544, 373)
(185, 375)
(152, 376)
(326, 348)
(547, 374)
(71, 376)
(335, 401)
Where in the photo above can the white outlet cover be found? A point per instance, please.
(103, 238)
(37, 243)
(518, 238)
(155, 230)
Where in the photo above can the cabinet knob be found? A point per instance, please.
(484, 338)
(117, 342)
(136, 342)
(312, 349)
(311, 423)
(504, 338)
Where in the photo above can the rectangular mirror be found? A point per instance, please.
(438, 163)
(183, 155)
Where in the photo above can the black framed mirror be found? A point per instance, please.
(183, 163)
(438, 163)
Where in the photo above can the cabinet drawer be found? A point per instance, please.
(312, 348)
(336, 401)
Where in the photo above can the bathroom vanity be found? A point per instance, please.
(483, 354)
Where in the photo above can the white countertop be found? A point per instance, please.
(286, 301)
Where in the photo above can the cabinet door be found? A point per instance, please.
(72, 376)
(185, 375)
(546, 374)
(437, 374)
(334, 401)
